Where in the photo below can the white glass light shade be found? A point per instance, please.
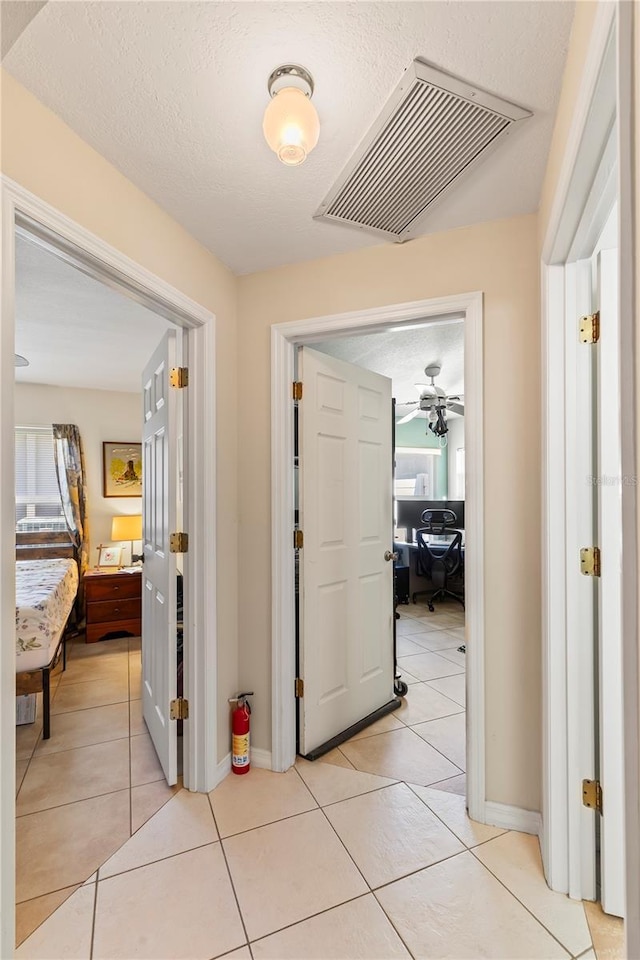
(291, 126)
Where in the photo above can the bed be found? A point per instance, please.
(46, 590)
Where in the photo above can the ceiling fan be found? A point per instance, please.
(434, 402)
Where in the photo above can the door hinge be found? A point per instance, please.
(590, 561)
(299, 687)
(592, 795)
(298, 539)
(297, 390)
(179, 709)
(179, 543)
(179, 377)
(590, 328)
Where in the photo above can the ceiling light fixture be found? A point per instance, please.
(291, 126)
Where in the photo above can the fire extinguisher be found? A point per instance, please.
(240, 733)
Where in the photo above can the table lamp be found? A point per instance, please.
(128, 528)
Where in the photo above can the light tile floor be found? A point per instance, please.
(344, 858)
(82, 793)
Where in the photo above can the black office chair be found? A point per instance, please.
(440, 562)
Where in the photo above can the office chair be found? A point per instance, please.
(440, 562)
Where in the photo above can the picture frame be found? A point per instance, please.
(121, 469)
(109, 556)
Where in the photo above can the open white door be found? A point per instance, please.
(346, 573)
(159, 644)
(609, 494)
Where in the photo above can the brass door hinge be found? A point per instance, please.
(590, 328)
(590, 561)
(592, 795)
(179, 709)
(299, 687)
(298, 539)
(179, 377)
(297, 390)
(179, 543)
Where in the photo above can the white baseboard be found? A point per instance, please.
(512, 818)
(222, 769)
(261, 758)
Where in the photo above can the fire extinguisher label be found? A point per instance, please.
(240, 750)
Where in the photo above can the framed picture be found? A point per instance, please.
(121, 469)
(109, 556)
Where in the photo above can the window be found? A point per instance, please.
(416, 472)
(38, 504)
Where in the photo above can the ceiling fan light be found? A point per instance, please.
(291, 125)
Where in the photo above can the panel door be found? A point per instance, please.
(346, 585)
(159, 646)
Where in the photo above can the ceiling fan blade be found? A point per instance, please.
(409, 416)
(456, 408)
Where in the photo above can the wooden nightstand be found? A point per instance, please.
(114, 604)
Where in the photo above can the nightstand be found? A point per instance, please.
(114, 604)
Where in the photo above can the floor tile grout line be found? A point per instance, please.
(69, 803)
(460, 770)
(450, 829)
(150, 863)
(521, 902)
(94, 916)
(311, 916)
(445, 716)
(79, 746)
(233, 886)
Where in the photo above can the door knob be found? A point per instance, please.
(390, 555)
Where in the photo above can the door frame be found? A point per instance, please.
(285, 338)
(590, 182)
(97, 258)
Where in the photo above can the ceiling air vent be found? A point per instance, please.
(433, 129)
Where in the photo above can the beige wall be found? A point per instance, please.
(42, 154)
(501, 260)
(100, 415)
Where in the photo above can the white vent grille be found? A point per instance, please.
(434, 129)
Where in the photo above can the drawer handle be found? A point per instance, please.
(117, 610)
(116, 587)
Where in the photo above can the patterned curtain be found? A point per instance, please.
(69, 458)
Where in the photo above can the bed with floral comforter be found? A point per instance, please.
(45, 591)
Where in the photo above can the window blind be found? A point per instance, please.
(38, 505)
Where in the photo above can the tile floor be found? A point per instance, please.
(344, 858)
(88, 788)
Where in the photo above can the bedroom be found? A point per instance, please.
(86, 346)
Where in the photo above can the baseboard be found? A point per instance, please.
(261, 758)
(222, 769)
(512, 818)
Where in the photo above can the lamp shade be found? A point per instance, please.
(127, 527)
(291, 126)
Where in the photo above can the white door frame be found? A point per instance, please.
(590, 181)
(103, 261)
(285, 337)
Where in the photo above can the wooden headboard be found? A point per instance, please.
(44, 546)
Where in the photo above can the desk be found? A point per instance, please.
(408, 556)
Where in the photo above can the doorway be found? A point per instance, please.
(285, 340)
(349, 497)
(24, 212)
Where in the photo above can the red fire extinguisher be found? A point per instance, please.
(240, 733)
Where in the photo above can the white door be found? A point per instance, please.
(346, 584)
(609, 514)
(159, 500)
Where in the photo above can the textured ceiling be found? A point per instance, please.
(173, 95)
(403, 355)
(75, 331)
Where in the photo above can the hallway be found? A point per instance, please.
(319, 862)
